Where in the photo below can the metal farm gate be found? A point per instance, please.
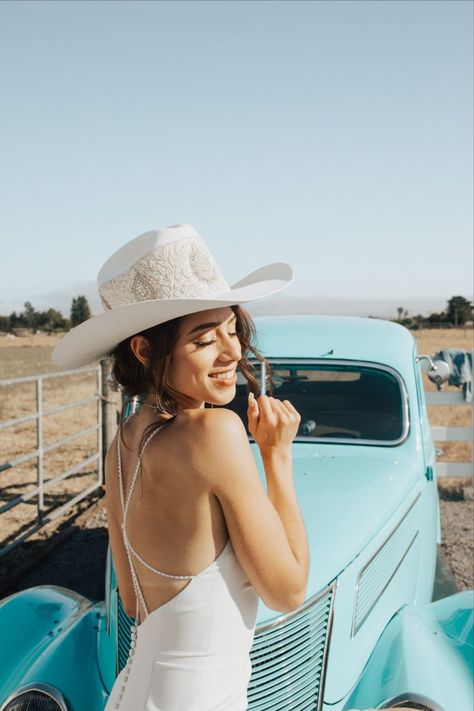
(106, 409)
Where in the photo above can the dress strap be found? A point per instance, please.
(125, 505)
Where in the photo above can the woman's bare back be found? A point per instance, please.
(174, 522)
(200, 486)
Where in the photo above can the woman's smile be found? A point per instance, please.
(228, 377)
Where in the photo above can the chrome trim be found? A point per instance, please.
(426, 357)
(108, 580)
(131, 621)
(354, 630)
(117, 660)
(416, 698)
(331, 588)
(364, 363)
(326, 647)
(40, 686)
(288, 616)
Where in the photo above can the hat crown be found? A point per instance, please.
(158, 276)
(170, 263)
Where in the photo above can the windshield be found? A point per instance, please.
(343, 401)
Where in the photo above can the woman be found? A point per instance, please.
(195, 539)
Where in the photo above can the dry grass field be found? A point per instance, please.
(30, 355)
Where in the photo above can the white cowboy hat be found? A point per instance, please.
(156, 277)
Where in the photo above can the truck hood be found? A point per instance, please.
(346, 494)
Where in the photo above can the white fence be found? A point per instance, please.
(38, 453)
(452, 434)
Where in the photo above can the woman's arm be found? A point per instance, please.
(273, 424)
(281, 492)
(275, 561)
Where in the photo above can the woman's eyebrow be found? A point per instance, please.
(209, 325)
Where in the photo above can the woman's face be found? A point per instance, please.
(205, 358)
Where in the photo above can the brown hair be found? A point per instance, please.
(137, 379)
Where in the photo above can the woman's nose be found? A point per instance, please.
(231, 348)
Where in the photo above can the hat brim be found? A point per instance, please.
(98, 336)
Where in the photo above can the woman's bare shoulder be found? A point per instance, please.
(208, 437)
(209, 422)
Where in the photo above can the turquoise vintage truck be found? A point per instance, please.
(369, 634)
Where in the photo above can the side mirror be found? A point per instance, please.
(438, 371)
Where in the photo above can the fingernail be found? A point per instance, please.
(251, 397)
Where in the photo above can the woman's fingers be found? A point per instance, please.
(281, 409)
(292, 411)
(285, 408)
(266, 408)
(273, 409)
(277, 424)
(252, 410)
(290, 407)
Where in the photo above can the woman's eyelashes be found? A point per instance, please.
(208, 343)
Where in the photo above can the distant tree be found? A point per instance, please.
(80, 310)
(459, 310)
(436, 318)
(55, 321)
(4, 323)
(16, 320)
(400, 313)
(29, 315)
(11, 320)
(52, 320)
(418, 321)
(42, 320)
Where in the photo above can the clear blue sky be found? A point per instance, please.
(336, 136)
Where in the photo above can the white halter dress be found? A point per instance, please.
(192, 652)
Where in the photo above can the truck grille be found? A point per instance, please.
(288, 658)
(380, 569)
(124, 623)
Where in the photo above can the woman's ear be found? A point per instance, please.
(141, 349)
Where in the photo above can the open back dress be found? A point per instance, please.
(192, 652)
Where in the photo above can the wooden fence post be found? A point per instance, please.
(111, 408)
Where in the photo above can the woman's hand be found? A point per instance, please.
(273, 423)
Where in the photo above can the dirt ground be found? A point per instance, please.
(76, 567)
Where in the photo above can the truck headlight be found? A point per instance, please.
(414, 701)
(38, 696)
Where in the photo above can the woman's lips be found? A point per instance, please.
(224, 381)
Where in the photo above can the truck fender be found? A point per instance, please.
(422, 647)
(49, 635)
